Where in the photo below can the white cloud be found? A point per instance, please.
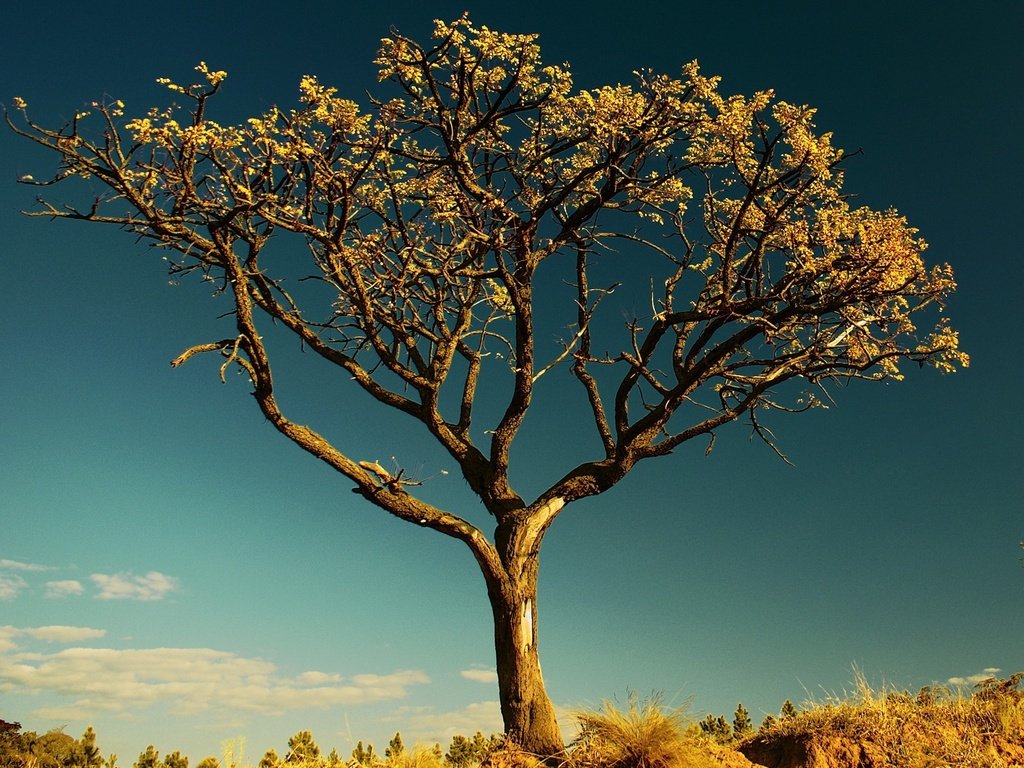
(64, 588)
(126, 586)
(317, 678)
(116, 586)
(61, 634)
(976, 678)
(478, 675)
(7, 635)
(51, 634)
(14, 565)
(188, 680)
(10, 585)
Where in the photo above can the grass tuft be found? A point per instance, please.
(644, 735)
(417, 757)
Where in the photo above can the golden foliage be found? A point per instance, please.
(428, 214)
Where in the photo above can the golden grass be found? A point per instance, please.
(936, 727)
(510, 756)
(417, 757)
(643, 735)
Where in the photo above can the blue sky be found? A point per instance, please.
(173, 572)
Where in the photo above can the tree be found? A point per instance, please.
(302, 748)
(788, 711)
(364, 757)
(12, 743)
(741, 723)
(91, 757)
(432, 220)
(270, 759)
(462, 752)
(54, 749)
(717, 728)
(395, 747)
(148, 759)
(209, 762)
(175, 760)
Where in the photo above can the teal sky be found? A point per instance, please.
(174, 572)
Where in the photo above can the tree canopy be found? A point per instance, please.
(432, 216)
(427, 219)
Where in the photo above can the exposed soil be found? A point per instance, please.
(837, 751)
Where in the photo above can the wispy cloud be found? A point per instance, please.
(15, 565)
(127, 586)
(480, 675)
(317, 678)
(188, 680)
(426, 725)
(66, 588)
(11, 585)
(976, 678)
(58, 633)
(53, 634)
(7, 635)
(109, 586)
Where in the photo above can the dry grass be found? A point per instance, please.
(417, 757)
(643, 735)
(511, 756)
(936, 727)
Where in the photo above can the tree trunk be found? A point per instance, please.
(527, 711)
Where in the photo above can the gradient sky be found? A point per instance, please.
(174, 572)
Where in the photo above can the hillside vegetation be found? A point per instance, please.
(935, 728)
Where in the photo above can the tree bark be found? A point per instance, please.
(527, 711)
